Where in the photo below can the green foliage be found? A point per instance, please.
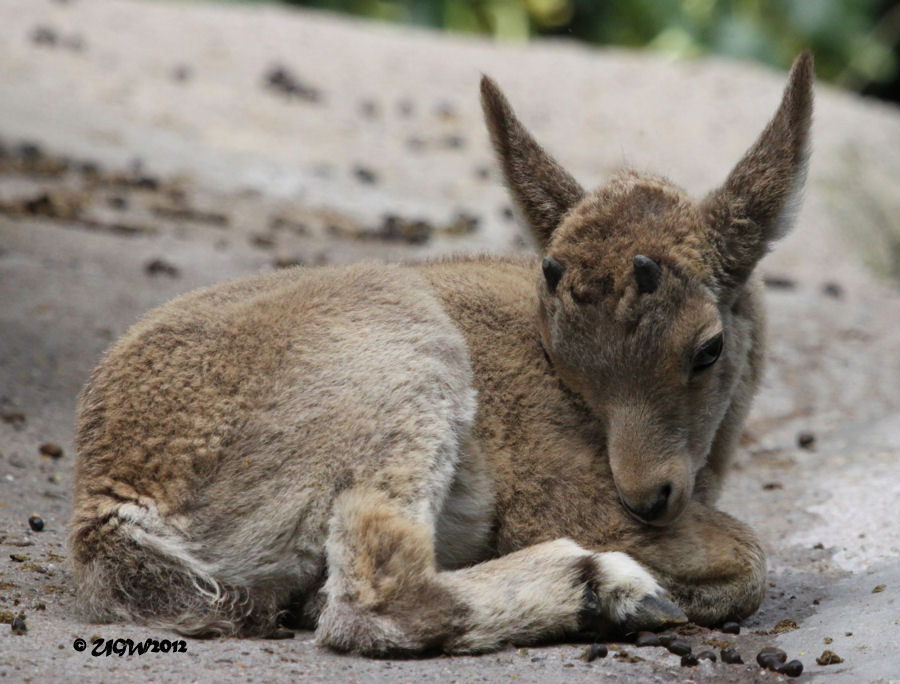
(854, 41)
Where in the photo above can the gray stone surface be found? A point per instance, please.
(234, 177)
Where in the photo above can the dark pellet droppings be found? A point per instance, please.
(806, 440)
(51, 450)
(829, 658)
(706, 655)
(43, 35)
(595, 651)
(14, 418)
(281, 79)
(792, 668)
(647, 639)
(181, 73)
(666, 638)
(679, 647)
(364, 175)
(779, 282)
(730, 656)
(771, 658)
(731, 628)
(18, 625)
(36, 523)
(832, 289)
(157, 267)
(689, 660)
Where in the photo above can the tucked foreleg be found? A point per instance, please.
(713, 565)
(385, 595)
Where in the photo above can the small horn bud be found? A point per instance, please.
(647, 273)
(553, 271)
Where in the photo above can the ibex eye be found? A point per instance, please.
(709, 353)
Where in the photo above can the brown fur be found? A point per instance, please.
(453, 455)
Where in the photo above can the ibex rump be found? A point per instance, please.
(452, 455)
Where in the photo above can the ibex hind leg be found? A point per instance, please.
(385, 596)
(123, 579)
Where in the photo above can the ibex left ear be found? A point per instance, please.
(757, 203)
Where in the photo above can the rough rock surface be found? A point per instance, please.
(174, 145)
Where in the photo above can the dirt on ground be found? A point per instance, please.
(147, 148)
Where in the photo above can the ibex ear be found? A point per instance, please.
(758, 202)
(541, 188)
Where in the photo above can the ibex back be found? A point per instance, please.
(452, 455)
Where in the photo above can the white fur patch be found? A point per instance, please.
(624, 582)
(786, 218)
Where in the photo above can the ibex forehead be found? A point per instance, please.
(634, 214)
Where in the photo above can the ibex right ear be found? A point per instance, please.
(757, 203)
(541, 188)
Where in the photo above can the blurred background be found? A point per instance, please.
(856, 42)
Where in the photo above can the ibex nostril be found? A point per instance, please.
(660, 503)
(655, 509)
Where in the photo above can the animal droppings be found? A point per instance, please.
(806, 440)
(51, 450)
(689, 660)
(784, 626)
(829, 658)
(771, 658)
(157, 267)
(647, 639)
(365, 175)
(679, 647)
(731, 628)
(18, 625)
(36, 523)
(832, 289)
(779, 282)
(280, 79)
(706, 655)
(791, 668)
(730, 656)
(594, 651)
(666, 638)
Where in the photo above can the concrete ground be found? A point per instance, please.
(147, 148)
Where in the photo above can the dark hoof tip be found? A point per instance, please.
(654, 613)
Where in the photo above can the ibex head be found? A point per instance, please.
(640, 290)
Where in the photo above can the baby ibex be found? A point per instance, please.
(453, 455)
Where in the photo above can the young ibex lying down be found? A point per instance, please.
(452, 455)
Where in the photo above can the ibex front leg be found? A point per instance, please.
(713, 565)
(386, 596)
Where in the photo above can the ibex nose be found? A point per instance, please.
(652, 509)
